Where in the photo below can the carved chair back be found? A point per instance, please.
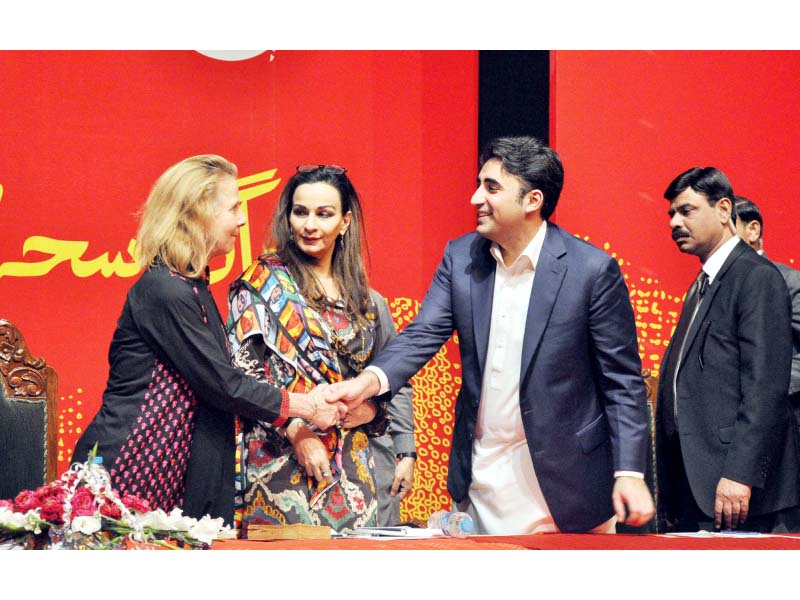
(28, 419)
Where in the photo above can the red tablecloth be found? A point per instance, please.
(549, 541)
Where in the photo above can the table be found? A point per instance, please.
(547, 541)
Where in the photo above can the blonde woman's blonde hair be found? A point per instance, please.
(178, 213)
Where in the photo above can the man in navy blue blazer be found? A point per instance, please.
(551, 422)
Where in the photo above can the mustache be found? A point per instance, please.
(679, 233)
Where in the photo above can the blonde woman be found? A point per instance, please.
(166, 425)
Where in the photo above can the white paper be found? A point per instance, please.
(403, 531)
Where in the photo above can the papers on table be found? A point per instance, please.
(724, 533)
(400, 532)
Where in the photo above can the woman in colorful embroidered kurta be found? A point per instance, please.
(166, 426)
(298, 317)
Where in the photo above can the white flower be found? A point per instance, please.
(207, 529)
(33, 522)
(13, 520)
(178, 522)
(86, 525)
(174, 521)
(131, 519)
(155, 519)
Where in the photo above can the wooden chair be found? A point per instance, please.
(651, 383)
(28, 416)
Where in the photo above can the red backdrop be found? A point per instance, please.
(83, 136)
(626, 123)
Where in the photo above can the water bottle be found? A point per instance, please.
(454, 524)
(99, 473)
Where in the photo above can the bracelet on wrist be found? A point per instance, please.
(402, 455)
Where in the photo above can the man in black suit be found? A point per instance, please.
(750, 227)
(726, 453)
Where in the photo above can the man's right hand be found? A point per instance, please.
(354, 391)
(313, 407)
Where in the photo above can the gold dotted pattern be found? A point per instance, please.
(435, 389)
(70, 427)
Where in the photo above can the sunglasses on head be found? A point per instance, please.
(334, 169)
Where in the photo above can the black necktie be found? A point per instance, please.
(693, 297)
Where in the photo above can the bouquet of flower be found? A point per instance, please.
(81, 511)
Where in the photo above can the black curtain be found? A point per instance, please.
(513, 94)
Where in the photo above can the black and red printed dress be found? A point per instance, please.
(165, 429)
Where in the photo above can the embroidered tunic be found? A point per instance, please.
(275, 336)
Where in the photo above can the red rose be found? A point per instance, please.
(7, 504)
(54, 489)
(111, 510)
(132, 502)
(26, 500)
(83, 503)
(53, 510)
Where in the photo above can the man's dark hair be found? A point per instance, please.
(708, 181)
(747, 211)
(537, 166)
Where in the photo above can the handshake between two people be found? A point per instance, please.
(326, 405)
(339, 403)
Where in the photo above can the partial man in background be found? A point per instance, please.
(727, 453)
(750, 227)
(551, 426)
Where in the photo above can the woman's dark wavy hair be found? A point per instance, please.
(347, 263)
